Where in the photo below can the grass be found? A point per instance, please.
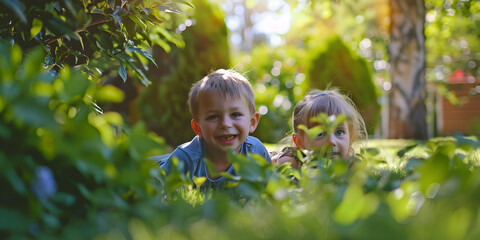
(392, 154)
(381, 153)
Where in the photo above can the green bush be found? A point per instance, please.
(107, 36)
(277, 76)
(333, 64)
(67, 171)
(70, 172)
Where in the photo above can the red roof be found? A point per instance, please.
(458, 76)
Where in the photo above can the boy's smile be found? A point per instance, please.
(223, 122)
(226, 139)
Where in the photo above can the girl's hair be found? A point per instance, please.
(331, 102)
(227, 82)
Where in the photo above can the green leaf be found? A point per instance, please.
(163, 44)
(36, 27)
(143, 78)
(355, 205)
(117, 15)
(109, 93)
(16, 181)
(130, 27)
(13, 221)
(17, 7)
(141, 51)
(5, 133)
(176, 178)
(32, 62)
(96, 10)
(138, 21)
(34, 111)
(183, 2)
(198, 181)
(10, 58)
(85, 4)
(117, 18)
(249, 167)
(147, 11)
(125, 59)
(404, 150)
(169, 9)
(79, 39)
(58, 27)
(84, 191)
(99, 45)
(123, 72)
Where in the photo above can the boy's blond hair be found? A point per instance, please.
(227, 82)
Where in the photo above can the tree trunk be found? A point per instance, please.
(407, 117)
(247, 29)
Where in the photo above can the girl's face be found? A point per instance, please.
(339, 141)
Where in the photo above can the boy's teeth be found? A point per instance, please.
(226, 138)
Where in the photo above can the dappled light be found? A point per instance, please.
(95, 97)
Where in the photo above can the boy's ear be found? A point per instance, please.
(196, 128)
(297, 139)
(254, 122)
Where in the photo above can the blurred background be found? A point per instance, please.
(411, 67)
(85, 83)
(286, 48)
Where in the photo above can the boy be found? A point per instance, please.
(222, 105)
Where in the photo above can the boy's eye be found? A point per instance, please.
(321, 134)
(236, 115)
(212, 117)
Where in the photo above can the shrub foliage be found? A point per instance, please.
(333, 64)
(107, 36)
(69, 172)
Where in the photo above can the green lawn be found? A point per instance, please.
(383, 153)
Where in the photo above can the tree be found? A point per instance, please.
(103, 36)
(407, 117)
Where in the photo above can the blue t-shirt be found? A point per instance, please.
(191, 155)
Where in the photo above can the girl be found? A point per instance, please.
(332, 103)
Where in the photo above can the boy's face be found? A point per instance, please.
(223, 122)
(339, 141)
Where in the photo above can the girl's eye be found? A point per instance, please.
(339, 132)
(321, 134)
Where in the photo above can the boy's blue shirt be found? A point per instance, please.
(191, 155)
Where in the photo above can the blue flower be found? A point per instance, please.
(44, 184)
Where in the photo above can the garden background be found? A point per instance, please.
(91, 88)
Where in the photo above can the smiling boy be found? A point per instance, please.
(222, 105)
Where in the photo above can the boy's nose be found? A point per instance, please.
(226, 122)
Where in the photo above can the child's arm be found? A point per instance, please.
(284, 159)
(286, 155)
